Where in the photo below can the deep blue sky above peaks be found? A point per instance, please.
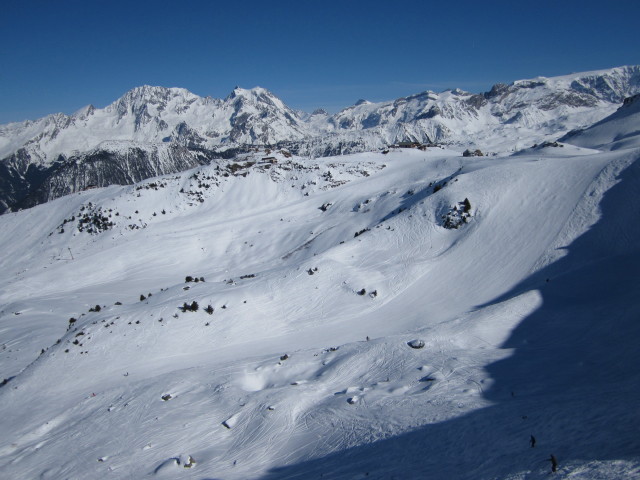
(58, 56)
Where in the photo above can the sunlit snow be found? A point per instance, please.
(349, 335)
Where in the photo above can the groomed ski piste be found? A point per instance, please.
(408, 315)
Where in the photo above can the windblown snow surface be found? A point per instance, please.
(319, 275)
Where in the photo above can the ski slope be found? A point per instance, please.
(527, 313)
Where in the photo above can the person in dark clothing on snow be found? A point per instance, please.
(554, 462)
(532, 441)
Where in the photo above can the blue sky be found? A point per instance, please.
(57, 56)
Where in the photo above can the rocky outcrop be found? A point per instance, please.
(99, 168)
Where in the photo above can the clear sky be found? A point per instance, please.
(58, 56)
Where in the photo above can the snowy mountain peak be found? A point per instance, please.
(262, 100)
(251, 93)
(148, 116)
(143, 94)
(146, 95)
(84, 112)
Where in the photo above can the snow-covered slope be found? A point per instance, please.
(199, 129)
(619, 130)
(515, 275)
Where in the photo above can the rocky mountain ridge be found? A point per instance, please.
(151, 131)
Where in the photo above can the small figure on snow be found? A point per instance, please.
(532, 441)
(554, 463)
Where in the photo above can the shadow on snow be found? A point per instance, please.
(572, 381)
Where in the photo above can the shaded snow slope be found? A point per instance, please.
(617, 131)
(516, 273)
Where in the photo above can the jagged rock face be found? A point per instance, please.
(98, 168)
(152, 130)
(18, 176)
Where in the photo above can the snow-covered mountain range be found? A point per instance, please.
(155, 130)
(407, 314)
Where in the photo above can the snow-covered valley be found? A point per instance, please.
(515, 276)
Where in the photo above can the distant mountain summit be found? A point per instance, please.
(155, 130)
